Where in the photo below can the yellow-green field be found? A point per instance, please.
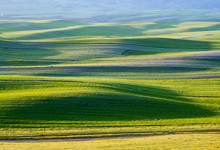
(64, 79)
(165, 142)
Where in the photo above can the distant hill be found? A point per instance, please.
(152, 15)
(134, 16)
(63, 6)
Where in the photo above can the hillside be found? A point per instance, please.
(131, 16)
(66, 79)
(106, 74)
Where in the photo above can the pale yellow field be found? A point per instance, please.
(164, 142)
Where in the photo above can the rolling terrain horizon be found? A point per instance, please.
(145, 79)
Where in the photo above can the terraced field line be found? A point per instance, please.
(89, 138)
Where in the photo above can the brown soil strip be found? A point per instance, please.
(78, 139)
(88, 139)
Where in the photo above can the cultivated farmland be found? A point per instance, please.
(65, 79)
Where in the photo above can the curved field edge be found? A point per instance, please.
(159, 42)
(45, 107)
(81, 133)
(165, 142)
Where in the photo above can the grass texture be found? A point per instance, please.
(61, 79)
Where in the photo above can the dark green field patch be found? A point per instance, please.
(26, 63)
(87, 69)
(123, 102)
(128, 53)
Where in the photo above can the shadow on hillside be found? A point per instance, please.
(33, 53)
(107, 70)
(123, 102)
(162, 25)
(106, 31)
(25, 54)
(86, 31)
(169, 43)
(94, 71)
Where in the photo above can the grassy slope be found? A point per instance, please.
(83, 97)
(26, 30)
(107, 68)
(68, 103)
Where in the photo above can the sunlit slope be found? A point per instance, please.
(137, 58)
(105, 46)
(137, 75)
(32, 101)
(26, 25)
(43, 30)
(18, 29)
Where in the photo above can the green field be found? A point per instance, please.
(64, 79)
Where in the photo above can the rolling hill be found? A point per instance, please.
(85, 70)
(66, 79)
